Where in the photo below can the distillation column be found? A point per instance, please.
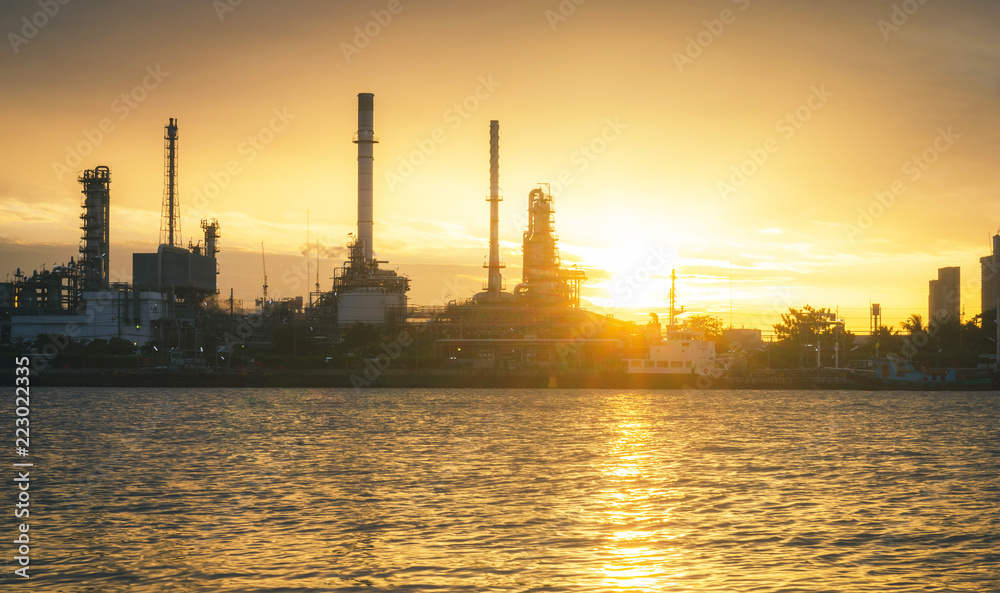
(96, 227)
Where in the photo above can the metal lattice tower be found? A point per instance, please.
(170, 219)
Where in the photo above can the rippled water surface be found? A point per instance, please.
(513, 490)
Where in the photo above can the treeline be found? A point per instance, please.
(945, 342)
(814, 337)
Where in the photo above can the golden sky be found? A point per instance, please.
(640, 114)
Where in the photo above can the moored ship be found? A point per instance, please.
(676, 352)
(895, 373)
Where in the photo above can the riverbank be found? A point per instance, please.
(438, 378)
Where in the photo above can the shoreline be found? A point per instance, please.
(824, 379)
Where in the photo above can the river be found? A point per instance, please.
(511, 490)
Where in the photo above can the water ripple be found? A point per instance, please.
(516, 490)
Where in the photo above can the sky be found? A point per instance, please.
(774, 153)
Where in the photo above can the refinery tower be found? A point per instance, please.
(493, 288)
(362, 292)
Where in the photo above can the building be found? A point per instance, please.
(991, 276)
(118, 312)
(76, 300)
(945, 299)
(744, 338)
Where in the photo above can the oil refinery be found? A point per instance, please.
(77, 300)
(172, 312)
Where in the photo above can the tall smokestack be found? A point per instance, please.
(494, 280)
(365, 139)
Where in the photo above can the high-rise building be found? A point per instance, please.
(991, 276)
(945, 299)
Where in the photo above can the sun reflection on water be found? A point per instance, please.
(639, 552)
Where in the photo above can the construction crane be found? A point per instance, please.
(264, 265)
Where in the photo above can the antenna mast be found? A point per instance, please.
(308, 244)
(264, 265)
(673, 299)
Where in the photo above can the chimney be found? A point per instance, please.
(366, 140)
(494, 280)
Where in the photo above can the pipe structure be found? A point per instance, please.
(494, 280)
(96, 227)
(211, 228)
(541, 258)
(543, 276)
(366, 140)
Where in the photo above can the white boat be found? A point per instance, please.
(676, 352)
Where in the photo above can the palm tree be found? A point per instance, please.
(914, 324)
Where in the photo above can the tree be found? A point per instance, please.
(710, 325)
(802, 327)
(806, 323)
(885, 340)
(914, 324)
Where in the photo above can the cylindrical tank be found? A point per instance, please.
(367, 305)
